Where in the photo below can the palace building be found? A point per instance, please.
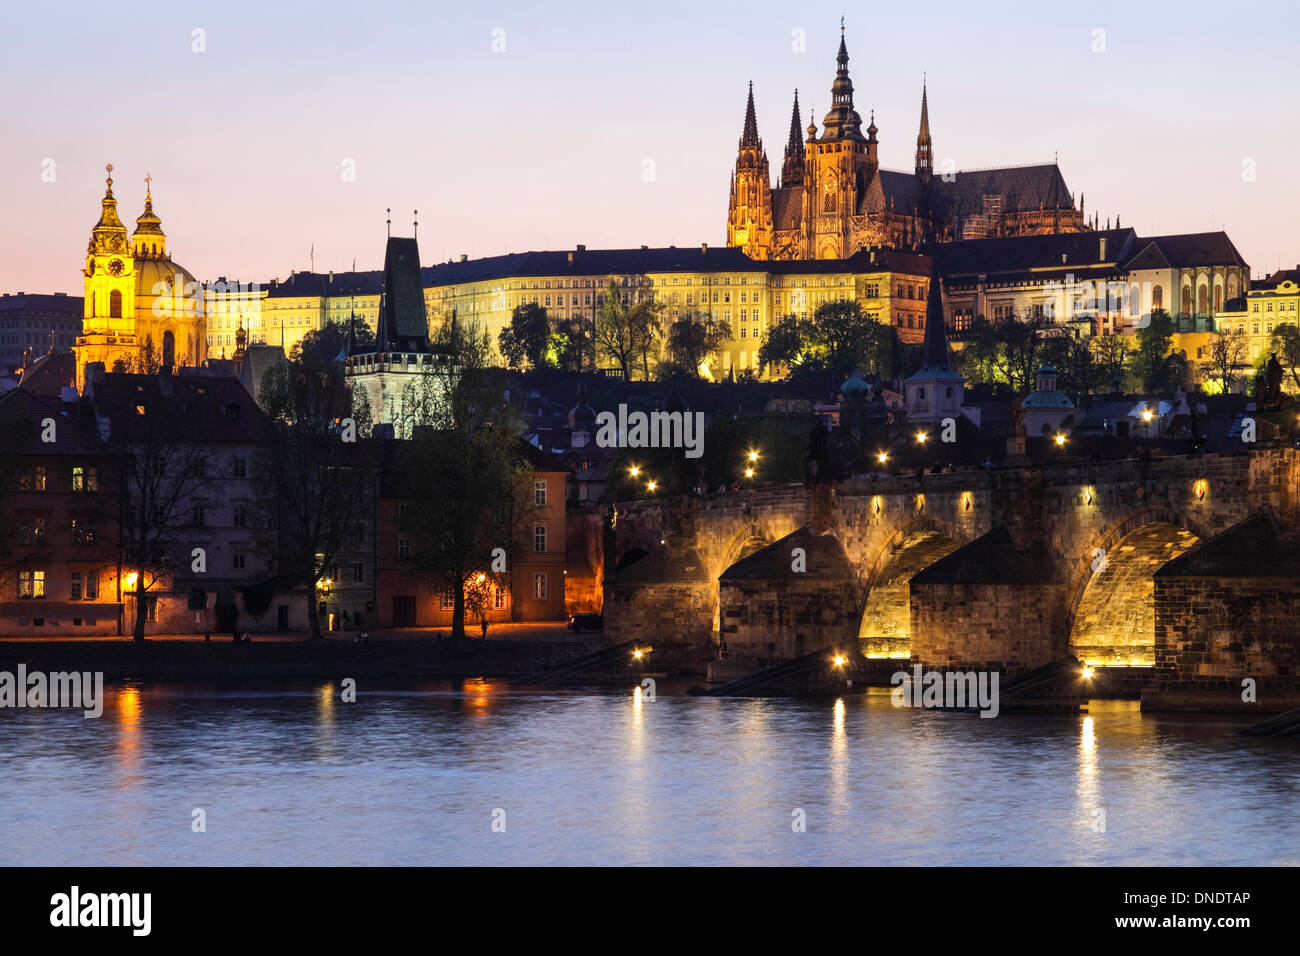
(140, 307)
(833, 198)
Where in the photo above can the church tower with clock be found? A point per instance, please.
(142, 311)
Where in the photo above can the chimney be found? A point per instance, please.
(581, 247)
(464, 258)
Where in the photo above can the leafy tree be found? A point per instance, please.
(570, 344)
(326, 342)
(1112, 354)
(527, 337)
(615, 337)
(1070, 352)
(1153, 364)
(837, 339)
(468, 478)
(1285, 343)
(1228, 352)
(322, 472)
(691, 342)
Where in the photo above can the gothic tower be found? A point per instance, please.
(749, 214)
(924, 147)
(837, 171)
(792, 166)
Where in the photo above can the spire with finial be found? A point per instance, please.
(749, 137)
(924, 145)
(388, 223)
(108, 235)
(148, 238)
(842, 122)
(812, 122)
(792, 168)
(415, 222)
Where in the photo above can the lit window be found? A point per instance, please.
(539, 585)
(31, 584)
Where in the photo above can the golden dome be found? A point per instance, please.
(173, 283)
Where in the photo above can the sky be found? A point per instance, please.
(270, 129)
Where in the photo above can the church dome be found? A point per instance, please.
(582, 417)
(173, 283)
(855, 386)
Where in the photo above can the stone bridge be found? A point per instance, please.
(1006, 568)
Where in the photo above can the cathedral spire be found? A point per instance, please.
(792, 168)
(842, 122)
(750, 135)
(924, 146)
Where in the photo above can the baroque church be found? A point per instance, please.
(142, 310)
(833, 198)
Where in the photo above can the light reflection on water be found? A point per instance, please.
(412, 775)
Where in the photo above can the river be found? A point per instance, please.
(480, 772)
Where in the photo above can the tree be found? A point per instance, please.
(1021, 348)
(615, 335)
(527, 337)
(1228, 351)
(468, 478)
(167, 479)
(646, 320)
(1112, 354)
(1070, 352)
(837, 339)
(326, 342)
(322, 474)
(570, 342)
(691, 342)
(1285, 343)
(1153, 363)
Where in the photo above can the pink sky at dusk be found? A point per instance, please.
(546, 143)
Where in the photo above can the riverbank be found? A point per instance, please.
(125, 659)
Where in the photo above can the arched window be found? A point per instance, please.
(115, 304)
(1186, 304)
(1218, 299)
(1157, 298)
(1232, 286)
(169, 349)
(1202, 300)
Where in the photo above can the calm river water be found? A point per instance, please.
(418, 774)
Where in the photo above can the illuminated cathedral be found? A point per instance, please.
(143, 311)
(833, 198)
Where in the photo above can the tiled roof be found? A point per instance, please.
(197, 407)
(787, 207)
(1020, 255)
(1187, 250)
(21, 417)
(1022, 188)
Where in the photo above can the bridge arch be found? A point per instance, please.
(1111, 607)
(751, 538)
(885, 627)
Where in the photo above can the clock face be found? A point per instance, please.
(115, 267)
